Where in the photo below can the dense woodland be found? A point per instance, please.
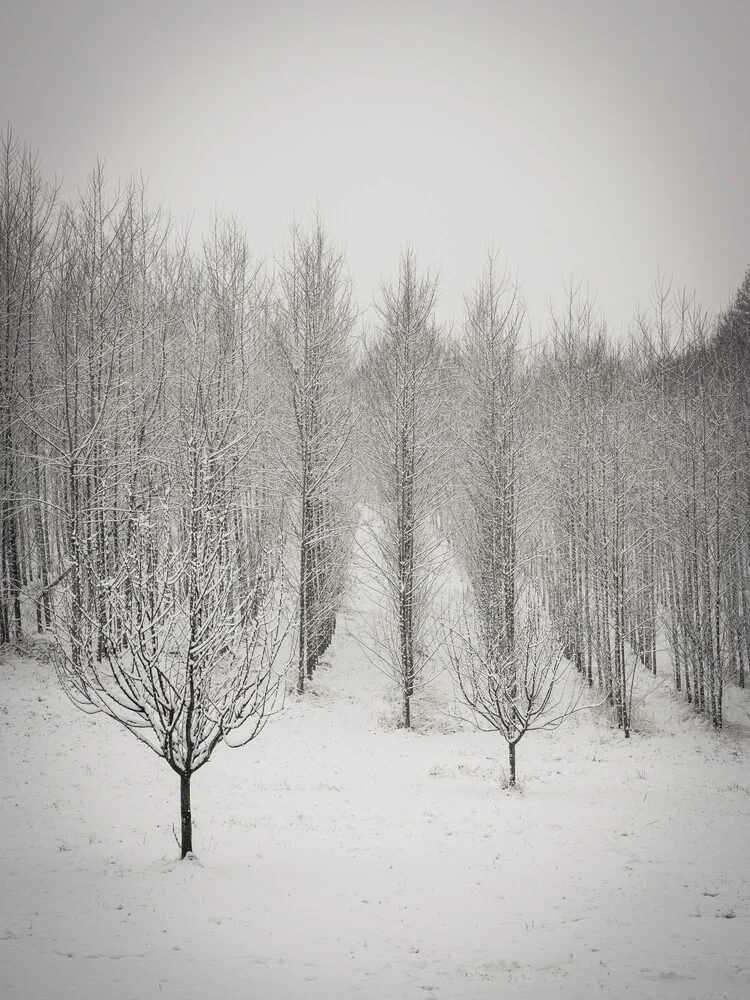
(190, 437)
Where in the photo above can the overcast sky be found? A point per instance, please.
(606, 139)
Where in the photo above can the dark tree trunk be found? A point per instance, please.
(405, 529)
(512, 765)
(407, 710)
(303, 611)
(186, 815)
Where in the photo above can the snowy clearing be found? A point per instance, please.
(339, 858)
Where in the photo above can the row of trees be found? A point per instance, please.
(651, 526)
(605, 483)
(189, 437)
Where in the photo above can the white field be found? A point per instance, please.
(340, 858)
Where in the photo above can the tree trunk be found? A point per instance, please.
(303, 604)
(186, 815)
(512, 765)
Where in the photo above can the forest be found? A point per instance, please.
(196, 441)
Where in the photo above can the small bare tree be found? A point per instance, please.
(513, 692)
(193, 634)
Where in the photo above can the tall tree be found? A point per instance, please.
(27, 206)
(406, 454)
(491, 429)
(312, 326)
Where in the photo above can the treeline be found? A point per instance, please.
(139, 376)
(650, 466)
(213, 420)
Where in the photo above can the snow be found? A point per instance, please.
(338, 857)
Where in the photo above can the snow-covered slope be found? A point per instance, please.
(340, 858)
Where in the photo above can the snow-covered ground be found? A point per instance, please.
(339, 858)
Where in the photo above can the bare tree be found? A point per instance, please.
(406, 454)
(312, 326)
(492, 505)
(190, 649)
(27, 206)
(515, 690)
(172, 618)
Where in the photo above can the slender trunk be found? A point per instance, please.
(406, 570)
(512, 765)
(12, 560)
(587, 581)
(303, 589)
(744, 632)
(186, 815)
(671, 602)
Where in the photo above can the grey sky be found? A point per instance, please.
(608, 139)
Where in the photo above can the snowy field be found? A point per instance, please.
(338, 857)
